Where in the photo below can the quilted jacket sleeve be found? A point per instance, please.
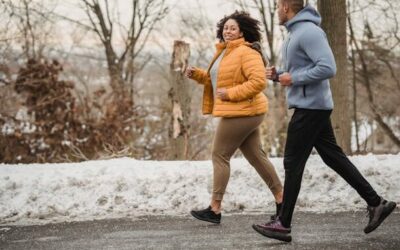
(254, 71)
(200, 76)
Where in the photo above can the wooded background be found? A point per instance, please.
(97, 79)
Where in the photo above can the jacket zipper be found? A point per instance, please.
(304, 90)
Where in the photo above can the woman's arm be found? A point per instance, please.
(254, 71)
(199, 75)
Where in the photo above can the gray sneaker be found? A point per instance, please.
(378, 214)
(274, 229)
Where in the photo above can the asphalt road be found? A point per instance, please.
(309, 231)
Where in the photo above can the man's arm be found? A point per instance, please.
(317, 48)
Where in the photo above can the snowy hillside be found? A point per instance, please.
(42, 193)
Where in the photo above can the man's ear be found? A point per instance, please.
(286, 7)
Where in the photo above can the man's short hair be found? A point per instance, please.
(295, 5)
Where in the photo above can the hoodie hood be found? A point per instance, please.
(307, 14)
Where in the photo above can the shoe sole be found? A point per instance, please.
(203, 219)
(384, 215)
(273, 235)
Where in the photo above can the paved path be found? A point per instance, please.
(310, 231)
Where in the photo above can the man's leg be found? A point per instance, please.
(303, 131)
(334, 157)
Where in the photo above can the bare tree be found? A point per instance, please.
(354, 100)
(180, 102)
(333, 14)
(28, 26)
(266, 10)
(197, 29)
(123, 66)
(375, 65)
(273, 130)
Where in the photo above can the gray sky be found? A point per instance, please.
(214, 9)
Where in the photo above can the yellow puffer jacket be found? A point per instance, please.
(242, 73)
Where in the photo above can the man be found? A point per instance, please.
(308, 63)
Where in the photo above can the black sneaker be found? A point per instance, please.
(278, 209)
(207, 215)
(378, 214)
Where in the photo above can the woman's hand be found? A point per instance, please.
(222, 94)
(189, 71)
(270, 73)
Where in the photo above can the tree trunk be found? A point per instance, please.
(180, 103)
(354, 100)
(274, 129)
(333, 14)
(365, 74)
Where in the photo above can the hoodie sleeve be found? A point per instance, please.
(315, 45)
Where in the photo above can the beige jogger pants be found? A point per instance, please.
(242, 133)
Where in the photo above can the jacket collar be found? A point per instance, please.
(230, 44)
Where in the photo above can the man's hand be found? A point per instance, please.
(285, 79)
(270, 73)
(222, 94)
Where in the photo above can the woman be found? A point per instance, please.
(233, 87)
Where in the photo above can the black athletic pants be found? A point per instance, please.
(312, 128)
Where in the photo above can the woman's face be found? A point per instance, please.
(231, 31)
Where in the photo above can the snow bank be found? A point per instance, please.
(42, 193)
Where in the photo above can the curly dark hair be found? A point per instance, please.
(248, 25)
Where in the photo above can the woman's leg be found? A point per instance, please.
(252, 150)
(230, 134)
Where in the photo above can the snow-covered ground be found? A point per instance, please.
(43, 193)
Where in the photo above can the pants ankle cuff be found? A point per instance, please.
(276, 189)
(217, 196)
(284, 223)
(375, 202)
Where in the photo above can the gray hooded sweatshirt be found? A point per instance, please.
(309, 59)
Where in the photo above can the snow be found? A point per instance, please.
(129, 188)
